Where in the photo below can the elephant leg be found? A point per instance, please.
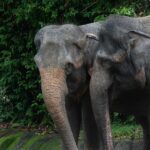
(91, 140)
(146, 131)
(73, 110)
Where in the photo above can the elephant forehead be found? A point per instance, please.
(50, 53)
(57, 38)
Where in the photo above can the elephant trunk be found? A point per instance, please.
(99, 98)
(54, 90)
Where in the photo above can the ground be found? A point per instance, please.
(126, 138)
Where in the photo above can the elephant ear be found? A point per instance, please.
(133, 40)
(138, 34)
(139, 45)
(89, 44)
(136, 38)
(38, 38)
(84, 41)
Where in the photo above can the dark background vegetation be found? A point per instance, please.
(20, 94)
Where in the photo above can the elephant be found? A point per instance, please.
(135, 103)
(120, 74)
(65, 81)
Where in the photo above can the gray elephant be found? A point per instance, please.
(121, 68)
(135, 103)
(65, 81)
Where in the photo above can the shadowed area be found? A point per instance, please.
(14, 139)
(25, 140)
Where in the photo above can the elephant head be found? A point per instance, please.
(59, 52)
(125, 53)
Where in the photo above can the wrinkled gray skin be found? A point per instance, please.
(121, 74)
(64, 81)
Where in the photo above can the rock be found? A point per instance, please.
(128, 145)
(124, 145)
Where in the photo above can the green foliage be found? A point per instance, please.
(126, 131)
(124, 10)
(25, 140)
(121, 118)
(20, 93)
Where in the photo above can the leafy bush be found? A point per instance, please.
(21, 99)
(126, 131)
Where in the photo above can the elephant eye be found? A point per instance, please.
(68, 68)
